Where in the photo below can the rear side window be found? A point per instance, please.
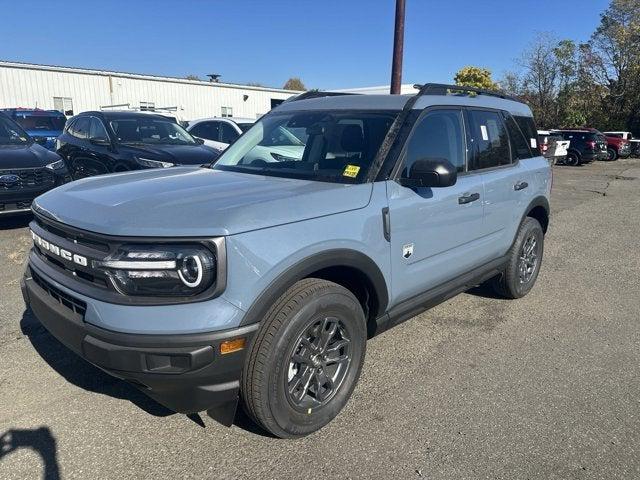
(528, 128)
(519, 145)
(489, 140)
(228, 134)
(97, 130)
(207, 130)
(439, 135)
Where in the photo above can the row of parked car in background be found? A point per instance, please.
(41, 149)
(584, 145)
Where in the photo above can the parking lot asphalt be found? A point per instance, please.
(479, 387)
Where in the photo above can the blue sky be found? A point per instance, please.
(328, 43)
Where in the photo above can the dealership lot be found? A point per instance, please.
(543, 387)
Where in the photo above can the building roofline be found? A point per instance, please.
(137, 76)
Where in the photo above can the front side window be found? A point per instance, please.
(489, 140)
(331, 146)
(439, 135)
(11, 133)
(151, 131)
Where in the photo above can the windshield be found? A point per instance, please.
(11, 133)
(36, 122)
(330, 146)
(150, 131)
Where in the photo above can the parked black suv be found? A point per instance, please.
(26, 168)
(586, 146)
(94, 143)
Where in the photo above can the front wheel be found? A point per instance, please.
(524, 260)
(612, 154)
(306, 359)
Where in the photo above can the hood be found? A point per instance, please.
(178, 154)
(188, 201)
(25, 156)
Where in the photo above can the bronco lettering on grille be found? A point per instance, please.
(58, 251)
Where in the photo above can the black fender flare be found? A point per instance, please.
(313, 263)
(539, 201)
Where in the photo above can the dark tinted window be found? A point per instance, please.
(490, 142)
(97, 129)
(437, 136)
(80, 128)
(528, 128)
(228, 134)
(36, 122)
(519, 145)
(208, 130)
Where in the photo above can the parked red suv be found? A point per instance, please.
(618, 148)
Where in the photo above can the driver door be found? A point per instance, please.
(436, 233)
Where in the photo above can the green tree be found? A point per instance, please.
(477, 77)
(294, 83)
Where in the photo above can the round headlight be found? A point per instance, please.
(191, 271)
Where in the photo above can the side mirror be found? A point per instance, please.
(199, 140)
(103, 142)
(431, 172)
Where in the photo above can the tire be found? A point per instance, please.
(286, 380)
(613, 155)
(572, 159)
(514, 282)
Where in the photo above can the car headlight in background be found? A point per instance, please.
(57, 165)
(181, 270)
(145, 162)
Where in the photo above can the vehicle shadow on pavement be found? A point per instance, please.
(19, 221)
(81, 373)
(40, 440)
(485, 291)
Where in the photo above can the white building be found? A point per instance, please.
(75, 90)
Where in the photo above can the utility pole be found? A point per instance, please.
(398, 46)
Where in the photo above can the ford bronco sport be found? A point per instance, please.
(261, 280)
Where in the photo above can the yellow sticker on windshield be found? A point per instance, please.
(351, 171)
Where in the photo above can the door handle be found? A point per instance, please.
(468, 198)
(520, 186)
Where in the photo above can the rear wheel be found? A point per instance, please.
(525, 258)
(306, 359)
(613, 155)
(572, 159)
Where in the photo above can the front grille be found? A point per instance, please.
(68, 301)
(29, 178)
(72, 236)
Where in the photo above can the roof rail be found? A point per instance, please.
(316, 94)
(444, 89)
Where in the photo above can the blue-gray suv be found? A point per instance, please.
(261, 278)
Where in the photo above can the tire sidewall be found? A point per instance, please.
(323, 304)
(529, 226)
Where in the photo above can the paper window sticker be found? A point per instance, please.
(483, 131)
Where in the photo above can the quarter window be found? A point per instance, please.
(80, 128)
(519, 147)
(489, 140)
(437, 136)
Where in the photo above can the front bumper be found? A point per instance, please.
(184, 372)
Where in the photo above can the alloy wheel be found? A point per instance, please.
(528, 261)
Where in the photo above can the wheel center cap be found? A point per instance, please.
(316, 361)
